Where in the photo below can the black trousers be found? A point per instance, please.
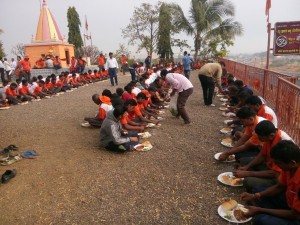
(208, 87)
(2, 74)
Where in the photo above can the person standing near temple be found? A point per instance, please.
(73, 64)
(13, 66)
(2, 70)
(81, 63)
(186, 61)
(25, 68)
(112, 67)
(101, 63)
(7, 69)
(124, 63)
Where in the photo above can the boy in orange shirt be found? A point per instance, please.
(249, 144)
(279, 204)
(104, 106)
(96, 76)
(73, 81)
(128, 124)
(36, 88)
(25, 93)
(262, 171)
(12, 96)
(141, 98)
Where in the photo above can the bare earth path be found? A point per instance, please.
(73, 181)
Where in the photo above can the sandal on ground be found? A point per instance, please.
(5, 158)
(13, 147)
(8, 175)
(11, 160)
(29, 154)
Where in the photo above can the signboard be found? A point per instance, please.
(287, 38)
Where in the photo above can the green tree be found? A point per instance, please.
(74, 35)
(166, 30)
(2, 52)
(209, 20)
(143, 27)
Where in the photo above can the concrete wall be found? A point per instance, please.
(47, 72)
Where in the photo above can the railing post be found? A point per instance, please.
(266, 76)
(234, 70)
(278, 95)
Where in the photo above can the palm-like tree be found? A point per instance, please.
(209, 19)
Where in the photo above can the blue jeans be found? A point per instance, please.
(112, 72)
(132, 73)
(275, 202)
(187, 74)
(113, 147)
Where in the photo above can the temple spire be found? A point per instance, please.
(47, 30)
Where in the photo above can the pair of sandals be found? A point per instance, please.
(8, 149)
(9, 158)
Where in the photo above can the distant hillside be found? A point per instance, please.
(289, 64)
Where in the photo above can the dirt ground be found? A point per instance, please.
(74, 181)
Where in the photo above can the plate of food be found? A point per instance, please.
(229, 114)
(227, 178)
(229, 159)
(232, 212)
(150, 125)
(223, 108)
(160, 112)
(144, 135)
(227, 142)
(223, 99)
(226, 130)
(145, 146)
(227, 121)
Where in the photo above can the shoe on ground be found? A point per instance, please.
(8, 175)
(211, 105)
(86, 124)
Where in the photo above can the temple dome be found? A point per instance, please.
(47, 30)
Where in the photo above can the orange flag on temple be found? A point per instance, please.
(268, 6)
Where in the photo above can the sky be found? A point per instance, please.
(106, 19)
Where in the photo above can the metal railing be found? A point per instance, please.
(279, 90)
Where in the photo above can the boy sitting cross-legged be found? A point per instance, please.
(111, 133)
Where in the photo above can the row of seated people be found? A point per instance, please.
(267, 158)
(21, 91)
(131, 110)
